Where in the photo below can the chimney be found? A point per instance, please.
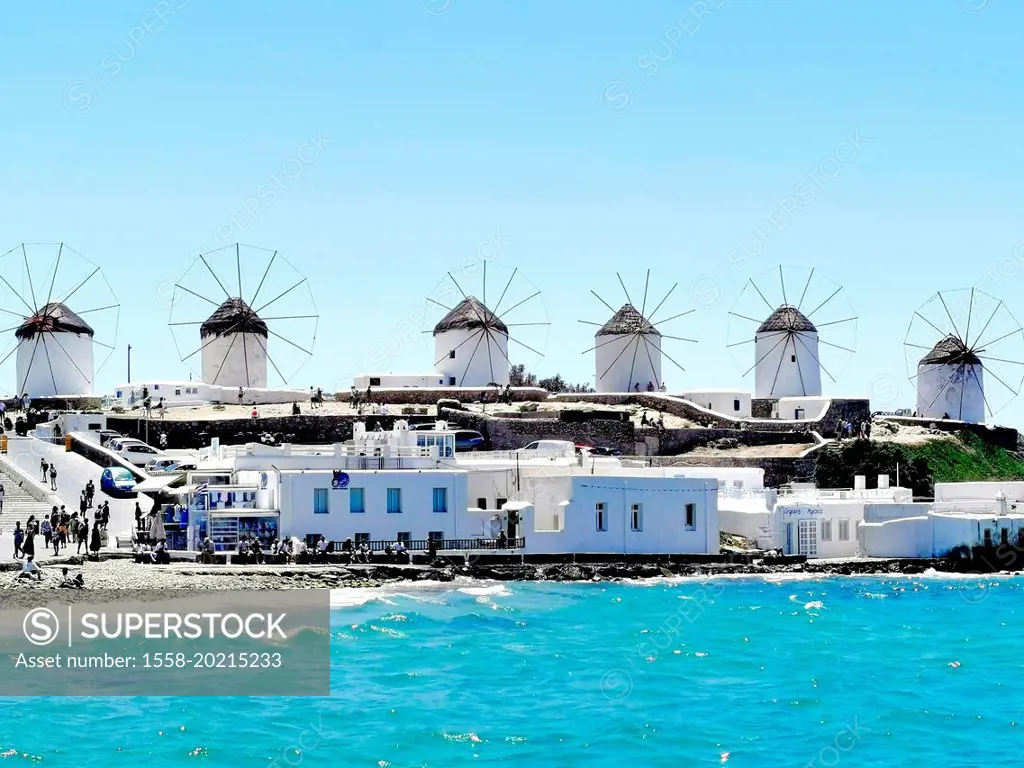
(883, 482)
(859, 482)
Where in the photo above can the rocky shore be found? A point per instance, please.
(118, 573)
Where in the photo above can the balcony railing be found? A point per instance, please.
(423, 545)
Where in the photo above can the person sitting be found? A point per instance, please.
(160, 555)
(69, 582)
(257, 551)
(29, 569)
(364, 553)
(295, 409)
(389, 551)
(321, 548)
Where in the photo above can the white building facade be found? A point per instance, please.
(786, 356)
(728, 402)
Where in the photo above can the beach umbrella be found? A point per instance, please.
(156, 528)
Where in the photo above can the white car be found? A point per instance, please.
(160, 465)
(549, 448)
(138, 453)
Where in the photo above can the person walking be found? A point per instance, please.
(94, 545)
(19, 539)
(53, 477)
(83, 535)
(45, 467)
(3, 492)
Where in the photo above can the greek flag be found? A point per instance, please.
(202, 488)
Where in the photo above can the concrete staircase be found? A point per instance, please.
(19, 504)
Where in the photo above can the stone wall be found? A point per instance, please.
(302, 429)
(101, 457)
(670, 442)
(777, 471)
(417, 396)
(510, 434)
(840, 408)
(761, 408)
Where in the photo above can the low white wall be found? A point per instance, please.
(721, 401)
(907, 537)
(398, 380)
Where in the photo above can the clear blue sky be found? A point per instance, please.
(443, 122)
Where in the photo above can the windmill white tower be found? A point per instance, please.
(951, 375)
(54, 346)
(236, 340)
(787, 344)
(234, 348)
(628, 347)
(471, 342)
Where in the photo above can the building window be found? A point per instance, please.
(1004, 537)
(394, 501)
(826, 530)
(691, 517)
(735, 405)
(119, 394)
(636, 521)
(440, 499)
(1020, 537)
(156, 387)
(844, 530)
(356, 500)
(403, 537)
(451, 381)
(177, 391)
(435, 536)
(988, 537)
(320, 501)
(375, 381)
(362, 538)
(500, 503)
(602, 518)
(737, 483)
(451, 354)
(481, 503)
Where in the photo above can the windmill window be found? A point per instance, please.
(792, 358)
(451, 354)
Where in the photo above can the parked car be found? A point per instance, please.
(161, 465)
(106, 435)
(183, 466)
(551, 447)
(139, 453)
(117, 481)
(469, 440)
(605, 450)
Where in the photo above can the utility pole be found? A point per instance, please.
(129, 363)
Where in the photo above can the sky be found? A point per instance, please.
(378, 146)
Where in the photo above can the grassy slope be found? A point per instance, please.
(967, 458)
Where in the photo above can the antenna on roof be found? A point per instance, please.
(629, 346)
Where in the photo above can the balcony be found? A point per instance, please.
(423, 545)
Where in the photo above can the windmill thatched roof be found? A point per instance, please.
(233, 316)
(787, 318)
(470, 314)
(951, 351)
(54, 317)
(626, 321)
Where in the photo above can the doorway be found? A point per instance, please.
(808, 538)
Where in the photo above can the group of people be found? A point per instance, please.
(845, 430)
(30, 569)
(155, 554)
(49, 472)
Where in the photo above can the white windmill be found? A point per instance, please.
(54, 345)
(787, 343)
(471, 341)
(967, 338)
(628, 347)
(236, 339)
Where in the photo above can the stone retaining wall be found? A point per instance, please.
(417, 396)
(777, 471)
(1004, 437)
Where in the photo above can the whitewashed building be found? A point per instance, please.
(410, 485)
(627, 353)
(55, 353)
(234, 351)
(176, 393)
(949, 383)
(786, 356)
(728, 402)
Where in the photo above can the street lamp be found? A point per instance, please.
(129, 363)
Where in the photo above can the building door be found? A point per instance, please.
(799, 414)
(789, 538)
(808, 538)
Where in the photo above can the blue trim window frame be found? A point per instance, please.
(394, 501)
(356, 501)
(440, 500)
(321, 501)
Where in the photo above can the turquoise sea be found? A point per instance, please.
(735, 672)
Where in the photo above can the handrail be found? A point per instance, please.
(422, 545)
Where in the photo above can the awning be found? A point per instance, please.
(157, 484)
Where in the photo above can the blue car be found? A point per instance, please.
(117, 481)
(469, 440)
